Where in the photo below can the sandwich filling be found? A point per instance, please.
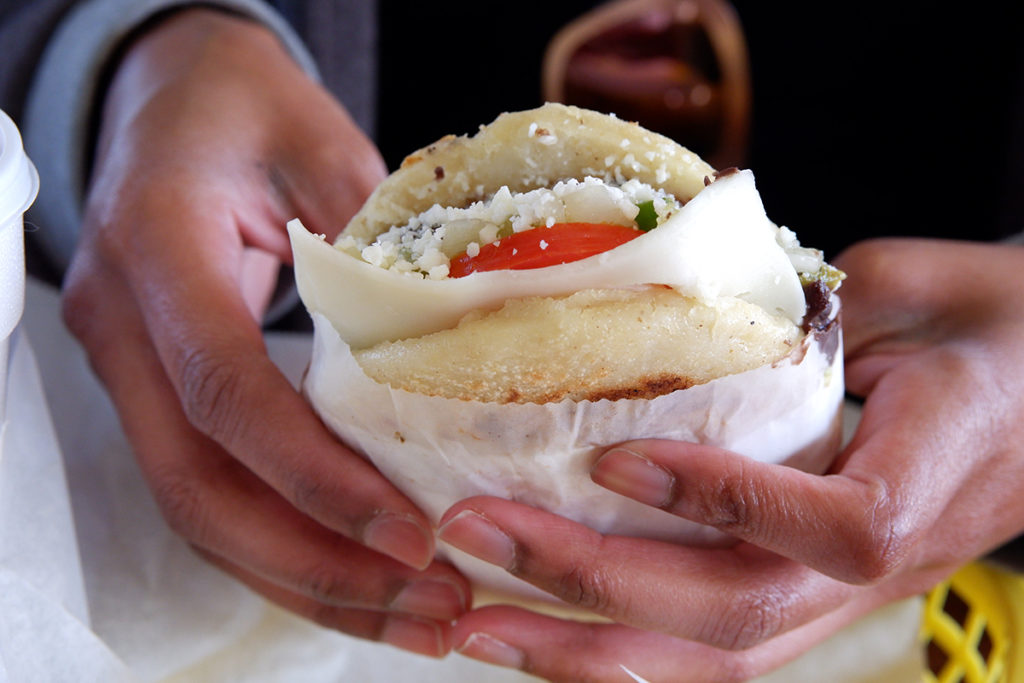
(427, 243)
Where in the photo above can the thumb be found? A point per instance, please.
(329, 168)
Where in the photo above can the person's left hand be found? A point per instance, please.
(211, 137)
(935, 342)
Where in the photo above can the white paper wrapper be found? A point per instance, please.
(439, 451)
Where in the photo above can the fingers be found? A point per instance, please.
(559, 650)
(426, 636)
(831, 524)
(211, 349)
(179, 244)
(210, 140)
(339, 169)
(856, 525)
(903, 295)
(913, 452)
(218, 95)
(223, 508)
(877, 305)
(726, 598)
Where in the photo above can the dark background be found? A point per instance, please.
(869, 119)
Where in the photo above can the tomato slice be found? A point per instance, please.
(544, 246)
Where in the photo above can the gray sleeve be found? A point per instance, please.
(24, 30)
(56, 119)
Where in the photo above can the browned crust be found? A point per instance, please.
(594, 345)
(645, 388)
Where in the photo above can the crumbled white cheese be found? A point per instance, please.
(438, 272)
(488, 233)
(425, 244)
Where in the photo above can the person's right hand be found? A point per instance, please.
(934, 343)
(211, 138)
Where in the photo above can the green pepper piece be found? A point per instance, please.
(647, 217)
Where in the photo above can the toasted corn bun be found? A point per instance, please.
(524, 150)
(592, 345)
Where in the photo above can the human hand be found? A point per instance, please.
(935, 342)
(211, 139)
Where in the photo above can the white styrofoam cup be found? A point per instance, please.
(19, 184)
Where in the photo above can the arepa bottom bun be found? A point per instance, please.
(441, 450)
(640, 342)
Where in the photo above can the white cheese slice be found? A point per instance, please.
(720, 243)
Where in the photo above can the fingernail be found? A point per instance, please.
(415, 635)
(433, 599)
(400, 538)
(491, 650)
(473, 533)
(631, 474)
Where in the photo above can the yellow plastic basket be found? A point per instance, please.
(972, 627)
